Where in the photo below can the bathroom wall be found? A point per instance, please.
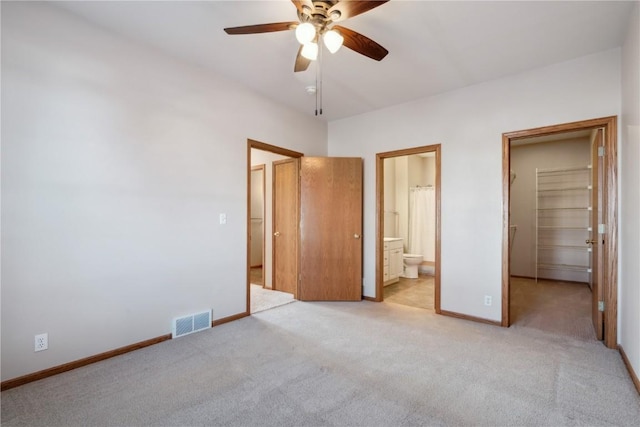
(401, 173)
(390, 212)
(524, 161)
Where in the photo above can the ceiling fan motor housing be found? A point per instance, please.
(319, 15)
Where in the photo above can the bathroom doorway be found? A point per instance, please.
(408, 227)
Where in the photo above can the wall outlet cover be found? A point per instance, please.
(41, 342)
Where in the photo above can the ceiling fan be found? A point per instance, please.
(317, 20)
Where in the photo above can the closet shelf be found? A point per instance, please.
(561, 227)
(563, 221)
(545, 171)
(567, 247)
(588, 208)
(588, 187)
(569, 267)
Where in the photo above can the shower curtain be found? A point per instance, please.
(422, 222)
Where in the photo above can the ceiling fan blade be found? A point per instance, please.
(262, 28)
(362, 44)
(349, 9)
(302, 63)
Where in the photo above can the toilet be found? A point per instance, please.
(411, 263)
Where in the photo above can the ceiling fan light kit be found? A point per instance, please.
(333, 40)
(316, 19)
(310, 51)
(305, 33)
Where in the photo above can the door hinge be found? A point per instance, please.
(600, 151)
(601, 306)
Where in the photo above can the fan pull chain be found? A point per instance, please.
(317, 66)
(319, 89)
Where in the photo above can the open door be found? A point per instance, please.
(330, 229)
(285, 226)
(597, 239)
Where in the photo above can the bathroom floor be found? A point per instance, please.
(412, 292)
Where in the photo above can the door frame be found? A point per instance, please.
(380, 157)
(610, 214)
(253, 144)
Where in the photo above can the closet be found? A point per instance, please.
(563, 223)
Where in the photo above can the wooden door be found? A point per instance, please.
(285, 226)
(596, 242)
(330, 229)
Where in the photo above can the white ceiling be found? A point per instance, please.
(435, 46)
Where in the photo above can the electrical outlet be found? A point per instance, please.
(223, 218)
(487, 300)
(41, 342)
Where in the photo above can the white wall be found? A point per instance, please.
(629, 301)
(524, 161)
(116, 162)
(469, 124)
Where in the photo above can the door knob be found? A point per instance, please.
(277, 233)
(591, 242)
(356, 236)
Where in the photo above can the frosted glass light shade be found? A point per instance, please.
(333, 40)
(305, 33)
(310, 51)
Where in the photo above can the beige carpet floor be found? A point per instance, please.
(562, 308)
(341, 364)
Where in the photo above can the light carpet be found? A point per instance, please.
(563, 308)
(343, 364)
(264, 299)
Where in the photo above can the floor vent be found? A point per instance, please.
(192, 323)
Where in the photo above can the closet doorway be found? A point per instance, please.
(408, 227)
(559, 233)
(268, 259)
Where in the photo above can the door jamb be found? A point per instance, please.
(610, 210)
(253, 144)
(380, 157)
